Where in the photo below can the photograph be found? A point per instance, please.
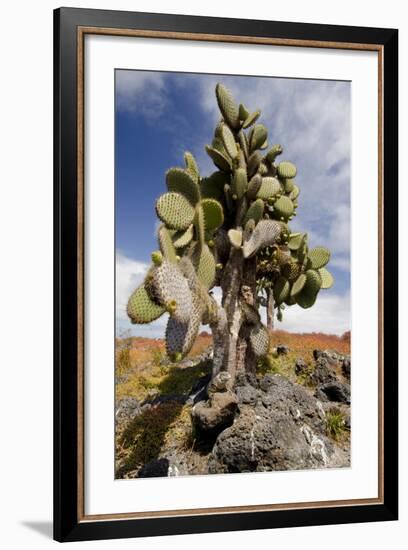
(232, 274)
(203, 200)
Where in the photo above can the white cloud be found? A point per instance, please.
(339, 237)
(156, 329)
(142, 92)
(340, 262)
(330, 314)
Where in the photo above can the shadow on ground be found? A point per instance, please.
(44, 528)
(145, 435)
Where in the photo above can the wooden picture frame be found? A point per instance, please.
(70, 27)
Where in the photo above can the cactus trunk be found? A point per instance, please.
(232, 352)
(269, 310)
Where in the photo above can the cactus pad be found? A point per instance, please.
(168, 284)
(220, 160)
(291, 270)
(227, 106)
(204, 263)
(242, 160)
(253, 163)
(313, 283)
(243, 142)
(306, 301)
(235, 237)
(259, 339)
(175, 210)
(243, 112)
(288, 185)
(253, 186)
(241, 211)
(255, 211)
(281, 290)
(183, 238)
(213, 214)
(218, 144)
(199, 224)
(191, 166)
(273, 152)
(180, 336)
(251, 119)
(318, 257)
(326, 277)
(239, 183)
(294, 193)
(166, 244)
(295, 240)
(307, 297)
(283, 208)
(259, 135)
(262, 169)
(269, 188)
(181, 181)
(228, 140)
(286, 170)
(141, 309)
(266, 233)
(200, 296)
(298, 285)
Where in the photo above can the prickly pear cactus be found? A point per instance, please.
(230, 229)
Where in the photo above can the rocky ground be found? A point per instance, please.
(294, 415)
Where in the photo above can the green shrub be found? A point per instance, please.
(335, 424)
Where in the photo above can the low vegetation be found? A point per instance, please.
(143, 372)
(336, 424)
(142, 369)
(301, 346)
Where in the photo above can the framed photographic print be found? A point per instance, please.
(225, 274)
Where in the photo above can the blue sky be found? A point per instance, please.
(160, 115)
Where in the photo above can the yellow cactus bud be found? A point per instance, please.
(157, 257)
(171, 306)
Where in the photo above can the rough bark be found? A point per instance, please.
(219, 328)
(242, 346)
(248, 294)
(230, 285)
(231, 350)
(269, 310)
